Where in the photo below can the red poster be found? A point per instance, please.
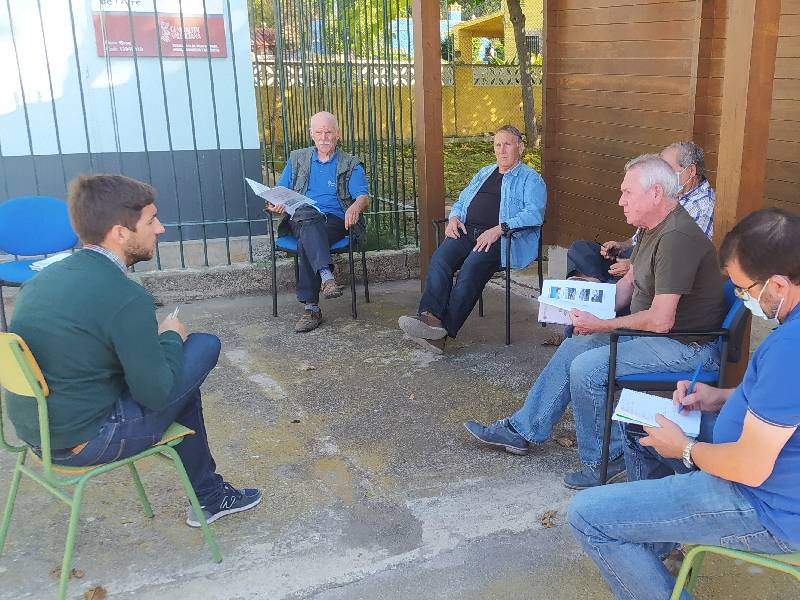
(172, 36)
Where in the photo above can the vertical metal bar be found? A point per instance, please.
(80, 85)
(411, 83)
(216, 137)
(111, 95)
(239, 125)
(24, 99)
(280, 73)
(175, 188)
(609, 408)
(141, 117)
(402, 198)
(262, 117)
(194, 134)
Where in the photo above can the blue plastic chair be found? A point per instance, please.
(30, 226)
(729, 342)
(288, 244)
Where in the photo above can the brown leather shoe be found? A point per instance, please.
(330, 289)
(308, 321)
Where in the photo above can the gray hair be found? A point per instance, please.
(512, 130)
(654, 170)
(689, 153)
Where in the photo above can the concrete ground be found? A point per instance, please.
(372, 488)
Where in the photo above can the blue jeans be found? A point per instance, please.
(578, 372)
(642, 462)
(315, 232)
(622, 526)
(449, 302)
(132, 428)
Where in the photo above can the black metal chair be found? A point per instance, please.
(729, 341)
(437, 226)
(288, 244)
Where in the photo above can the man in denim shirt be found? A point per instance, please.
(500, 197)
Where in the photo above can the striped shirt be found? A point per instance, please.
(108, 254)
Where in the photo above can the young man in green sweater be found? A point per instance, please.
(117, 377)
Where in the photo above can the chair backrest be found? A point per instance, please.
(20, 374)
(35, 225)
(735, 322)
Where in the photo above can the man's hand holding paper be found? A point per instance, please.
(586, 323)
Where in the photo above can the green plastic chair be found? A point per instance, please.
(690, 569)
(20, 374)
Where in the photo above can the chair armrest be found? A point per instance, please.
(639, 333)
(514, 230)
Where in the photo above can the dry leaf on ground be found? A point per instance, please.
(77, 573)
(546, 520)
(96, 593)
(565, 442)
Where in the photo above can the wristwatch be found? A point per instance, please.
(504, 228)
(687, 454)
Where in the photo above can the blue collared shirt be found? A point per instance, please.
(108, 254)
(523, 197)
(769, 392)
(322, 184)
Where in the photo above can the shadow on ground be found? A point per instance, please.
(373, 489)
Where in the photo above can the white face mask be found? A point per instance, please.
(754, 305)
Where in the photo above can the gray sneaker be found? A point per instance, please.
(590, 476)
(308, 321)
(500, 433)
(421, 326)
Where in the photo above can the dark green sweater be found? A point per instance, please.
(93, 332)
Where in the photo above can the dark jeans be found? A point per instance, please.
(315, 232)
(132, 428)
(584, 257)
(451, 302)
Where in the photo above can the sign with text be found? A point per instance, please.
(173, 26)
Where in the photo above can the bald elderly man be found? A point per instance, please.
(337, 183)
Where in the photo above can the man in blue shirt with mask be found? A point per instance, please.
(336, 182)
(744, 489)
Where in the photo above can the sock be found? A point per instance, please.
(325, 274)
(312, 307)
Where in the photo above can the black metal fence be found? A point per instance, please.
(177, 93)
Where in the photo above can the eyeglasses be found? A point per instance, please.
(744, 293)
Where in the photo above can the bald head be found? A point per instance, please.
(325, 133)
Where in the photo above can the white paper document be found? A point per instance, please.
(46, 262)
(280, 195)
(559, 296)
(641, 409)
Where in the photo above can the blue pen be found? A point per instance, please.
(690, 389)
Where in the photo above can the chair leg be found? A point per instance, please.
(296, 271)
(480, 305)
(12, 496)
(609, 408)
(508, 304)
(541, 277)
(72, 531)
(148, 510)
(689, 571)
(351, 264)
(3, 323)
(366, 276)
(274, 275)
(694, 573)
(187, 487)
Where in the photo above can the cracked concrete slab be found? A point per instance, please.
(372, 488)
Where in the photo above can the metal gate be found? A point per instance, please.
(194, 95)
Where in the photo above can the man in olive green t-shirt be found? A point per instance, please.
(117, 377)
(674, 284)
